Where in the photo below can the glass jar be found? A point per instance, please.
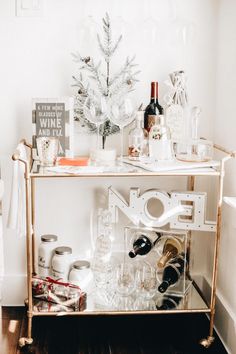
(45, 254)
(160, 145)
(138, 140)
(61, 263)
(81, 275)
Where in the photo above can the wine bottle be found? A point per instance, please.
(169, 303)
(172, 273)
(172, 247)
(144, 243)
(153, 108)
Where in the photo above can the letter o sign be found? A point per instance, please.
(145, 217)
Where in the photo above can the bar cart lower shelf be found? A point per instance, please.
(192, 301)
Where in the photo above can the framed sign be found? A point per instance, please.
(54, 117)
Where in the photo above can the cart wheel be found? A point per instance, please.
(23, 341)
(206, 342)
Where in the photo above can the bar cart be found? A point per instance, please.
(198, 303)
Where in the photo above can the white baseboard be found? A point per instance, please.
(14, 290)
(225, 318)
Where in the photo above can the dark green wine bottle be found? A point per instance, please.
(144, 243)
(172, 273)
(153, 108)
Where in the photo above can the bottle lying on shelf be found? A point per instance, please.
(144, 243)
(171, 249)
(172, 273)
(169, 302)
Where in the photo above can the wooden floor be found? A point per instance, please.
(168, 334)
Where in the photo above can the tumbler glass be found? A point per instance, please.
(141, 304)
(194, 150)
(47, 150)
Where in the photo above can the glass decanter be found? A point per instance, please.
(160, 144)
(138, 139)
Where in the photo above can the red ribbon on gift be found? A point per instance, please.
(54, 281)
(59, 282)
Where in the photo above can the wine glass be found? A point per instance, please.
(122, 115)
(124, 282)
(95, 111)
(182, 34)
(150, 23)
(87, 31)
(146, 281)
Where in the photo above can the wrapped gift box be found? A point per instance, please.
(64, 294)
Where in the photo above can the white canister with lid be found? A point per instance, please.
(81, 275)
(61, 262)
(45, 254)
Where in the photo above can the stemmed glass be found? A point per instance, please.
(150, 24)
(122, 115)
(124, 282)
(146, 281)
(87, 29)
(96, 112)
(145, 287)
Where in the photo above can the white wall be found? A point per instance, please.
(224, 132)
(35, 62)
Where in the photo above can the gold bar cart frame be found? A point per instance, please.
(31, 244)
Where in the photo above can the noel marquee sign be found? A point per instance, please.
(182, 210)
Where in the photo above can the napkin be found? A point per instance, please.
(16, 214)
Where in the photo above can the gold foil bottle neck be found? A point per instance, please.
(171, 249)
(164, 259)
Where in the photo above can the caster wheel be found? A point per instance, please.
(206, 342)
(23, 341)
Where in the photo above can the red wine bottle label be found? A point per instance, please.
(150, 122)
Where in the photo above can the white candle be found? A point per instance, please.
(105, 155)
